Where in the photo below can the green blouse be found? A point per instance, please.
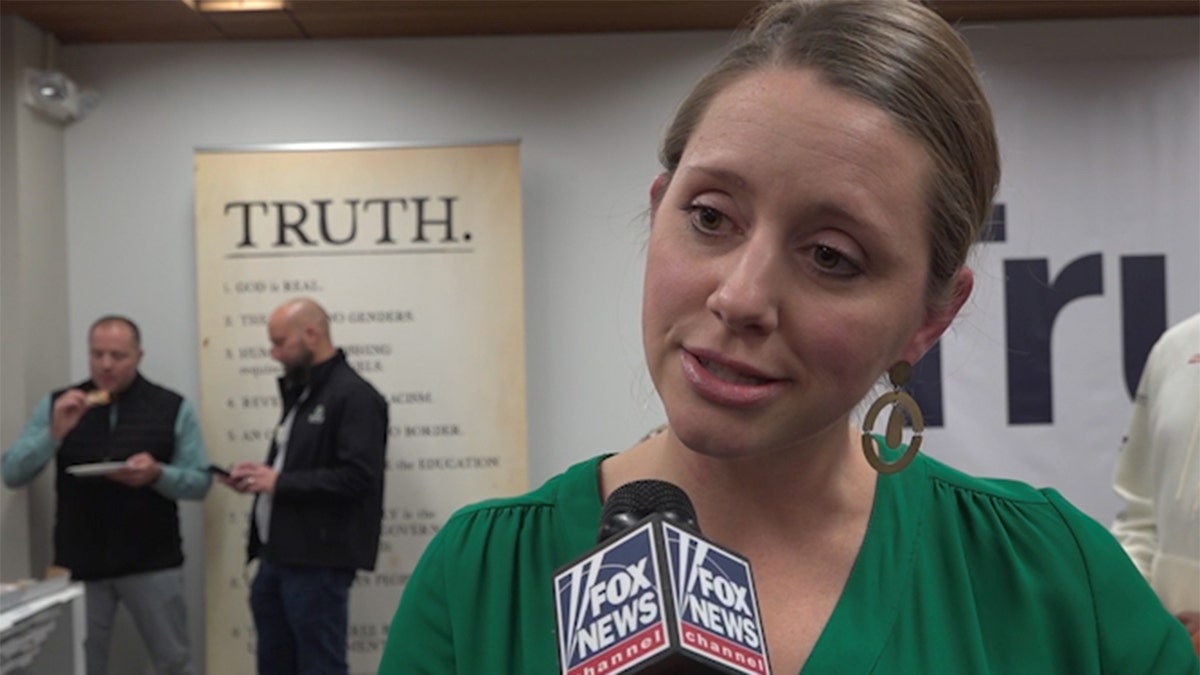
(956, 575)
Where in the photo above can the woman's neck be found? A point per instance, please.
(799, 494)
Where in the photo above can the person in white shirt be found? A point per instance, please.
(1158, 474)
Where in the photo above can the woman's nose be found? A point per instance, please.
(746, 296)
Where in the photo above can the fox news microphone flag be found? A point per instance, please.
(655, 597)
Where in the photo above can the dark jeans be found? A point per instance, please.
(300, 614)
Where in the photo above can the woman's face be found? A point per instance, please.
(787, 264)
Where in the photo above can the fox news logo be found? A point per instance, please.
(714, 598)
(610, 610)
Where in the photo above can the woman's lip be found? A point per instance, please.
(722, 392)
(742, 368)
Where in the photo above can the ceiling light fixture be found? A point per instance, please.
(240, 5)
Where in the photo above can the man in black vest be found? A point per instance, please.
(116, 527)
(318, 502)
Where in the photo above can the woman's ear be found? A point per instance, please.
(939, 317)
(657, 189)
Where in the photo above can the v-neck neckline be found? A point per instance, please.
(869, 606)
(857, 630)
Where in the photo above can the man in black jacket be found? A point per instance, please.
(318, 502)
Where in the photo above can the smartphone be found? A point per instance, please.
(212, 468)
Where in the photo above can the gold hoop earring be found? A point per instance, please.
(902, 405)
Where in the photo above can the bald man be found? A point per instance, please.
(318, 501)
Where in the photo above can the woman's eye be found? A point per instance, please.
(833, 261)
(705, 219)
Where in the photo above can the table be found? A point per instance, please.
(25, 628)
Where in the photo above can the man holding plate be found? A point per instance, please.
(126, 450)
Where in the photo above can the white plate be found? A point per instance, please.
(96, 469)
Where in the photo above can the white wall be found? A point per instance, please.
(589, 111)
(33, 306)
(33, 273)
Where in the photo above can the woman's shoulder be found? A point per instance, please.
(569, 500)
(490, 561)
(1003, 489)
(1013, 507)
(553, 492)
(1031, 565)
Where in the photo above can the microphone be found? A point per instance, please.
(655, 597)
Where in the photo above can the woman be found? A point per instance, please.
(821, 189)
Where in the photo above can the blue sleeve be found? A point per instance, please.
(186, 477)
(33, 449)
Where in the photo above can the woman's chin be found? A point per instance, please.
(715, 443)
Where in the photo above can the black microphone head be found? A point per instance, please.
(631, 502)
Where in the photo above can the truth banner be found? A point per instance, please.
(415, 253)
